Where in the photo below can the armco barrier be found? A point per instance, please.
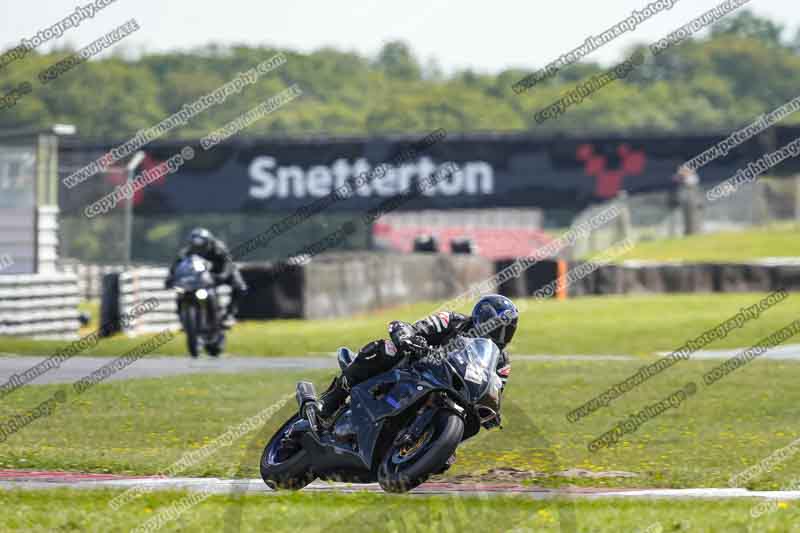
(42, 306)
(90, 276)
(123, 291)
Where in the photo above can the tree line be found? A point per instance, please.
(743, 67)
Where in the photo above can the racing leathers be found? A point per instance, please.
(381, 355)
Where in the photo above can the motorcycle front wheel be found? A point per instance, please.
(214, 349)
(408, 465)
(189, 321)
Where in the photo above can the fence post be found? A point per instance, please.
(797, 198)
(624, 221)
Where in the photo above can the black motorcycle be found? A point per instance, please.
(198, 306)
(399, 427)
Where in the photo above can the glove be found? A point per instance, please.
(416, 346)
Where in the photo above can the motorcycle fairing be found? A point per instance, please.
(388, 395)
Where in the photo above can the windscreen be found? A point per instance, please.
(476, 363)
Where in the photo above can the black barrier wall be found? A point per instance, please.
(644, 277)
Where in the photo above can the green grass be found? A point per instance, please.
(594, 325)
(143, 426)
(735, 246)
(66, 510)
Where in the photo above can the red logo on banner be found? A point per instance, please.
(608, 181)
(119, 176)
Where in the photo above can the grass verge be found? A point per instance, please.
(67, 510)
(143, 426)
(730, 246)
(640, 324)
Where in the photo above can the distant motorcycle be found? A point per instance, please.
(399, 428)
(198, 306)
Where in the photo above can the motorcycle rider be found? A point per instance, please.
(494, 317)
(225, 272)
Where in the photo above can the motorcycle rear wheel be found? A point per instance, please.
(291, 473)
(405, 467)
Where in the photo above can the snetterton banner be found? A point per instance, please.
(496, 170)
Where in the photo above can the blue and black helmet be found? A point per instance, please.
(200, 240)
(495, 317)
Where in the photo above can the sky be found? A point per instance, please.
(486, 37)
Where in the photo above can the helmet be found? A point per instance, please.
(200, 240)
(495, 317)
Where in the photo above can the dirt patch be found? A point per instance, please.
(515, 475)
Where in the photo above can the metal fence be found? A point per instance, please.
(663, 215)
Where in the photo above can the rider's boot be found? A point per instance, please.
(332, 400)
(228, 319)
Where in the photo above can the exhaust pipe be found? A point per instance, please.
(307, 402)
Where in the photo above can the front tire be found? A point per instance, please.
(402, 469)
(190, 327)
(285, 473)
(215, 348)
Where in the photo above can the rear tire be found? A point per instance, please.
(293, 473)
(401, 474)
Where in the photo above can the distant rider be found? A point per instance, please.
(494, 317)
(225, 272)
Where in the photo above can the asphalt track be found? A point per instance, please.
(155, 367)
(161, 366)
(37, 480)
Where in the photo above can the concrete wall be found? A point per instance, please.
(343, 284)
